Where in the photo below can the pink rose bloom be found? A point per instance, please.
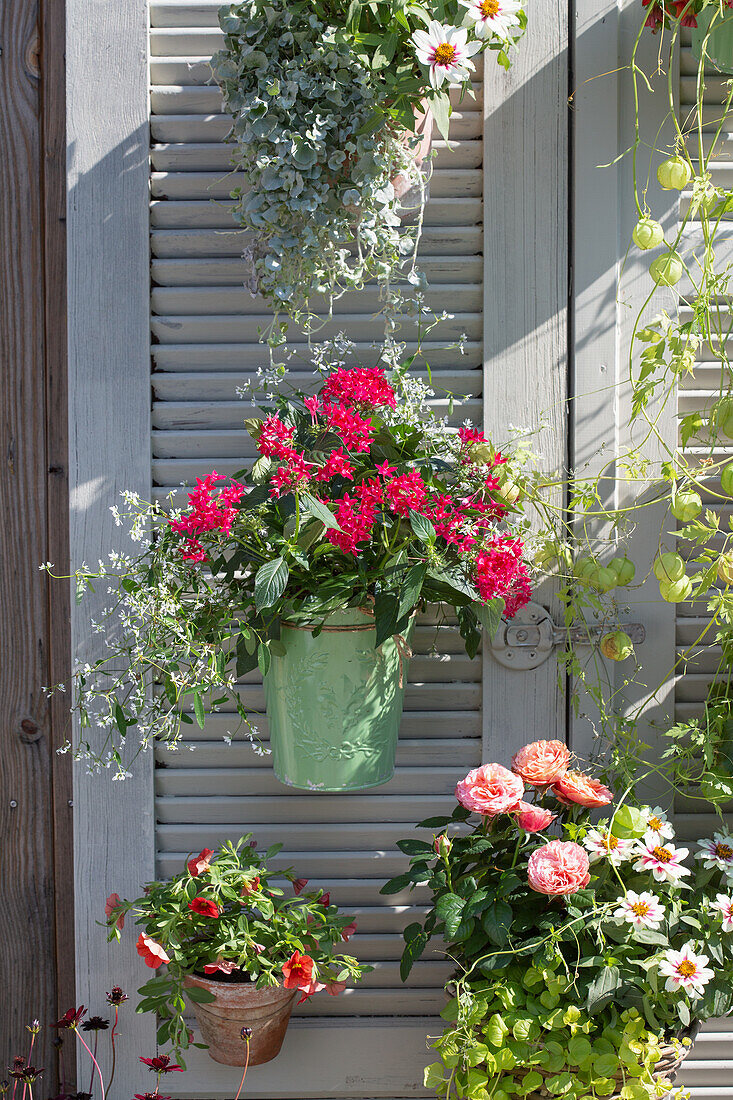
(533, 819)
(574, 788)
(542, 762)
(558, 868)
(490, 790)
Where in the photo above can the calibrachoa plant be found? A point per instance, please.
(325, 99)
(225, 917)
(360, 497)
(584, 948)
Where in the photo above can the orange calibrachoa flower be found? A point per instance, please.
(204, 907)
(199, 864)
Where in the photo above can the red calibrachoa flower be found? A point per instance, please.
(151, 951)
(199, 864)
(161, 1064)
(111, 906)
(298, 971)
(204, 907)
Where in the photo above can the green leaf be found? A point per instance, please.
(449, 909)
(490, 615)
(628, 822)
(385, 615)
(422, 527)
(198, 709)
(414, 948)
(497, 921)
(411, 588)
(415, 847)
(319, 510)
(264, 658)
(603, 989)
(270, 581)
(200, 996)
(394, 885)
(440, 106)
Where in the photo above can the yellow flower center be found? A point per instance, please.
(723, 851)
(611, 842)
(445, 53)
(489, 8)
(662, 854)
(686, 968)
(640, 908)
(655, 823)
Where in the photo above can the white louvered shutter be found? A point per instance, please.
(708, 1072)
(205, 337)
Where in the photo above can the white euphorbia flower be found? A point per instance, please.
(723, 904)
(685, 970)
(604, 845)
(658, 822)
(446, 51)
(717, 852)
(663, 860)
(642, 910)
(493, 17)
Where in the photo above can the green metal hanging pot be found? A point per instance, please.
(720, 43)
(334, 703)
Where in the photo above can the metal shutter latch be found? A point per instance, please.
(527, 640)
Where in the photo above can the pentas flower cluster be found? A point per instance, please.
(226, 917)
(209, 510)
(335, 453)
(359, 497)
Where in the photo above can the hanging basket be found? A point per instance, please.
(239, 1004)
(334, 703)
(673, 1055)
(719, 48)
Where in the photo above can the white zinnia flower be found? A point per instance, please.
(717, 852)
(658, 822)
(724, 905)
(685, 970)
(604, 845)
(493, 17)
(446, 51)
(663, 860)
(642, 910)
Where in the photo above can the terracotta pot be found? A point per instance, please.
(238, 1005)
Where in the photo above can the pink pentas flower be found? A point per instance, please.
(275, 438)
(490, 790)
(111, 905)
(406, 493)
(533, 819)
(294, 474)
(199, 865)
(354, 431)
(558, 868)
(362, 386)
(500, 571)
(337, 464)
(152, 953)
(207, 511)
